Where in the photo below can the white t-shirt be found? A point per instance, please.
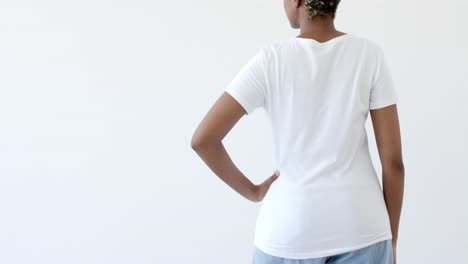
(316, 97)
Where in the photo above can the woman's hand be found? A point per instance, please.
(394, 252)
(261, 189)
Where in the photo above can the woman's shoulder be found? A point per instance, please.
(371, 43)
(277, 44)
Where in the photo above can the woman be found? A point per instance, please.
(316, 90)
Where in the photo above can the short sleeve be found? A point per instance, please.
(383, 91)
(249, 85)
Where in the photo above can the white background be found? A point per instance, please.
(99, 100)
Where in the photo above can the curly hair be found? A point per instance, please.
(321, 7)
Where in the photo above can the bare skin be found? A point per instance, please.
(226, 112)
(319, 28)
(387, 135)
(207, 142)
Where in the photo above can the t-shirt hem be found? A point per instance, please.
(240, 99)
(275, 251)
(378, 105)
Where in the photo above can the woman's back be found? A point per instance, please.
(317, 97)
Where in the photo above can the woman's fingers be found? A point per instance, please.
(263, 188)
(272, 178)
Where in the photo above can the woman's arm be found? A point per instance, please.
(207, 143)
(387, 134)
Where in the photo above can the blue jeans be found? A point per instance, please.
(378, 253)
